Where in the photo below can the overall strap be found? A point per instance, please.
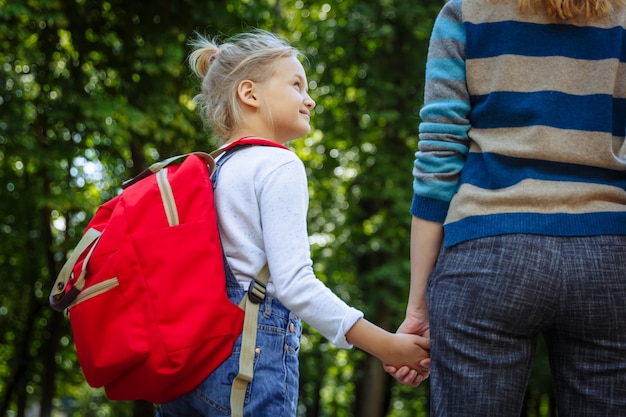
(254, 296)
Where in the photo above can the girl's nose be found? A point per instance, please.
(308, 101)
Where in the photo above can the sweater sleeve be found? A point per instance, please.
(283, 199)
(443, 132)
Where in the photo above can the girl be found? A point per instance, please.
(255, 86)
(521, 163)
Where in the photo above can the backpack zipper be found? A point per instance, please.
(167, 196)
(95, 290)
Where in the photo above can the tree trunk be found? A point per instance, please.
(48, 386)
(53, 335)
(372, 390)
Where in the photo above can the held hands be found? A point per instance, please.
(407, 373)
(407, 354)
(408, 358)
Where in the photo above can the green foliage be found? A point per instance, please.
(94, 91)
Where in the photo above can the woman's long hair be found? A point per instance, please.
(569, 9)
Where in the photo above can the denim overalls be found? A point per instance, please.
(273, 391)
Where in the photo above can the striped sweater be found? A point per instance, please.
(523, 125)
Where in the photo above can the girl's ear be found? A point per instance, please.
(247, 93)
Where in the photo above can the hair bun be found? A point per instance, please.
(202, 57)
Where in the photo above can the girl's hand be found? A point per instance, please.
(408, 358)
(416, 324)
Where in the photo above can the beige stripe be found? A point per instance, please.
(498, 10)
(527, 74)
(533, 196)
(546, 143)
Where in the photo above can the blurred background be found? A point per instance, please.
(92, 92)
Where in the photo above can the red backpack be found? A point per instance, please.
(145, 287)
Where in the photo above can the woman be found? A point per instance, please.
(519, 206)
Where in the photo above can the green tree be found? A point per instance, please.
(360, 161)
(94, 91)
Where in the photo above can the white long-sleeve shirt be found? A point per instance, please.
(262, 202)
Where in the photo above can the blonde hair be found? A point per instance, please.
(570, 9)
(222, 67)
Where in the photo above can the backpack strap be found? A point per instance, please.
(253, 298)
(60, 299)
(246, 140)
(158, 166)
(250, 303)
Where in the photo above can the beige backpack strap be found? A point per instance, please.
(158, 166)
(250, 304)
(59, 299)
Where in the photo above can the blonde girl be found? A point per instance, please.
(254, 86)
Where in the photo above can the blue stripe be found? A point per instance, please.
(532, 39)
(441, 163)
(451, 108)
(593, 113)
(447, 129)
(436, 190)
(492, 171)
(619, 119)
(559, 224)
(447, 29)
(429, 209)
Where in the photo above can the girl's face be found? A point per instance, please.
(286, 102)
